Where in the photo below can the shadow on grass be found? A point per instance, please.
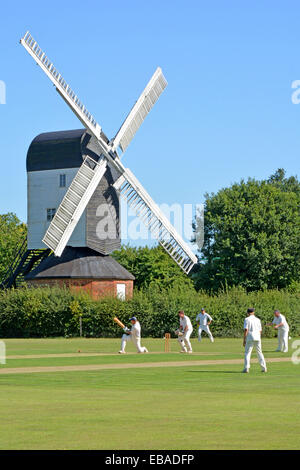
(215, 371)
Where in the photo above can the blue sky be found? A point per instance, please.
(226, 114)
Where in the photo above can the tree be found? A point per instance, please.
(152, 266)
(290, 184)
(252, 233)
(12, 233)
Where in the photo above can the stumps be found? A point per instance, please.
(167, 342)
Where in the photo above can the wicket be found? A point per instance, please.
(167, 342)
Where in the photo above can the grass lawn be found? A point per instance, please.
(192, 407)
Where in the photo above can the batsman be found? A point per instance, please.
(133, 334)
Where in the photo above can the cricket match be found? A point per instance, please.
(149, 271)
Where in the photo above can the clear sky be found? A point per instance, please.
(226, 114)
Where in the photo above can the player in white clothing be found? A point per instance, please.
(282, 327)
(184, 332)
(204, 320)
(134, 335)
(252, 337)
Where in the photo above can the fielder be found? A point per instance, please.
(204, 320)
(184, 333)
(282, 327)
(134, 335)
(252, 337)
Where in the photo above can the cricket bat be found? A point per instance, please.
(116, 320)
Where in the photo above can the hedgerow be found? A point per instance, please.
(52, 312)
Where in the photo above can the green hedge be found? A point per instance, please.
(47, 312)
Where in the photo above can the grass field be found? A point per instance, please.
(191, 405)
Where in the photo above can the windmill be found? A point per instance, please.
(108, 154)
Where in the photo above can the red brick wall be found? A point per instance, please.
(96, 288)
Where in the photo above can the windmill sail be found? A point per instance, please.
(61, 86)
(138, 113)
(73, 204)
(89, 174)
(158, 224)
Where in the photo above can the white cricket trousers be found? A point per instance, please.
(248, 351)
(184, 341)
(207, 330)
(283, 340)
(136, 342)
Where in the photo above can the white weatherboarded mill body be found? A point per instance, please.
(53, 160)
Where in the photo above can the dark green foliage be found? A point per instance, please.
(252, 235)
(53, 312)
(291, 184)
(12, 232)
(152, 266)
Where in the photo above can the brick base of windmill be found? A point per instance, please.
(85, 270)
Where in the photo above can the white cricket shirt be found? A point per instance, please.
(185, 321)
(253, 325)
(281, 319)
(136, 330)
(203, 318)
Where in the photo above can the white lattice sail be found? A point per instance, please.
(73, 204)
(154, 219)
(61, 85)
(138, 113)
